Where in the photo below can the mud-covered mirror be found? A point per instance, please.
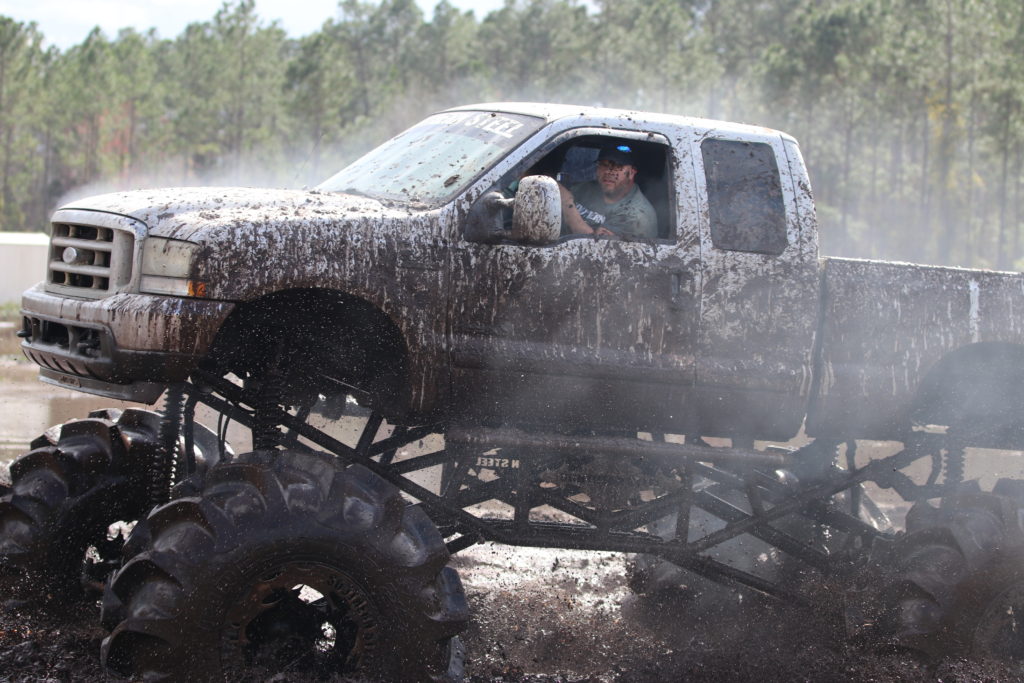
(537, 213)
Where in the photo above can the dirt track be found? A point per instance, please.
(539, 615)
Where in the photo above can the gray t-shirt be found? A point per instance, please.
(631, 216)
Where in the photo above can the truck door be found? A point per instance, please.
(587, 333)
(759, 292)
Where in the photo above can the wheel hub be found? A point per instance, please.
(302, 616)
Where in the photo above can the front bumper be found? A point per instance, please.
(125, 346)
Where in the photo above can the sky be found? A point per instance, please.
(67, 22)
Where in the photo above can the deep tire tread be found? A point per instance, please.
(64, 493)
(919, 598)
(266, 498)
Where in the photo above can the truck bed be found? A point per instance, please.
(893, 335)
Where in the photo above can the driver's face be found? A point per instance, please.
(616, 180)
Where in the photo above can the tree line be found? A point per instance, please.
(909, 112)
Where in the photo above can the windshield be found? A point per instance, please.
(435, 159)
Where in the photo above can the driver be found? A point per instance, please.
(612, 205)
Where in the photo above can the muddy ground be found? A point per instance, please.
(538, 615)
(554, 616)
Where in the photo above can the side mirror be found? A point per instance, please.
(537, 212)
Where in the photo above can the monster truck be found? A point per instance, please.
(425, 362)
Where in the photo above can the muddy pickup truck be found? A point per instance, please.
(427, 359)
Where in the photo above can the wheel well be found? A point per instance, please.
(979, 388)
(316, 334)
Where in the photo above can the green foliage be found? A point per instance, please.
(10, 311)
(910, 113)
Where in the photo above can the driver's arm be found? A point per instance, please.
(573, 218)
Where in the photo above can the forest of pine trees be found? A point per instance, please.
(909, 112)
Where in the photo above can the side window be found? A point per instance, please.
(572, 161)
(744, 196)
(577, 164)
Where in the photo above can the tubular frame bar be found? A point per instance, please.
(615, 531)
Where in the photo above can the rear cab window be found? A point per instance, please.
(745, 200)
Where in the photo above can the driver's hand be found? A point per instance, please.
(604, 232)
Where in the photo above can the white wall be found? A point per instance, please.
(22, 262)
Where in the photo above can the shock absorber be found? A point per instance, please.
(265, 432)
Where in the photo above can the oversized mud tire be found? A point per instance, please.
(76, 481)
(285, 556)
(954, 583)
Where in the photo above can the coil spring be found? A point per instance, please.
(161, 475)
(954, 464)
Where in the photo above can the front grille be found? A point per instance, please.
(89, 260)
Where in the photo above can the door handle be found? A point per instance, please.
(677, 278)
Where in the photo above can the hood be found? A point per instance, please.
(185, 213)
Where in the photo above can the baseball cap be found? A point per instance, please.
(620, 154)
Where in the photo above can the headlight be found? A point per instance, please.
(166, 265)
